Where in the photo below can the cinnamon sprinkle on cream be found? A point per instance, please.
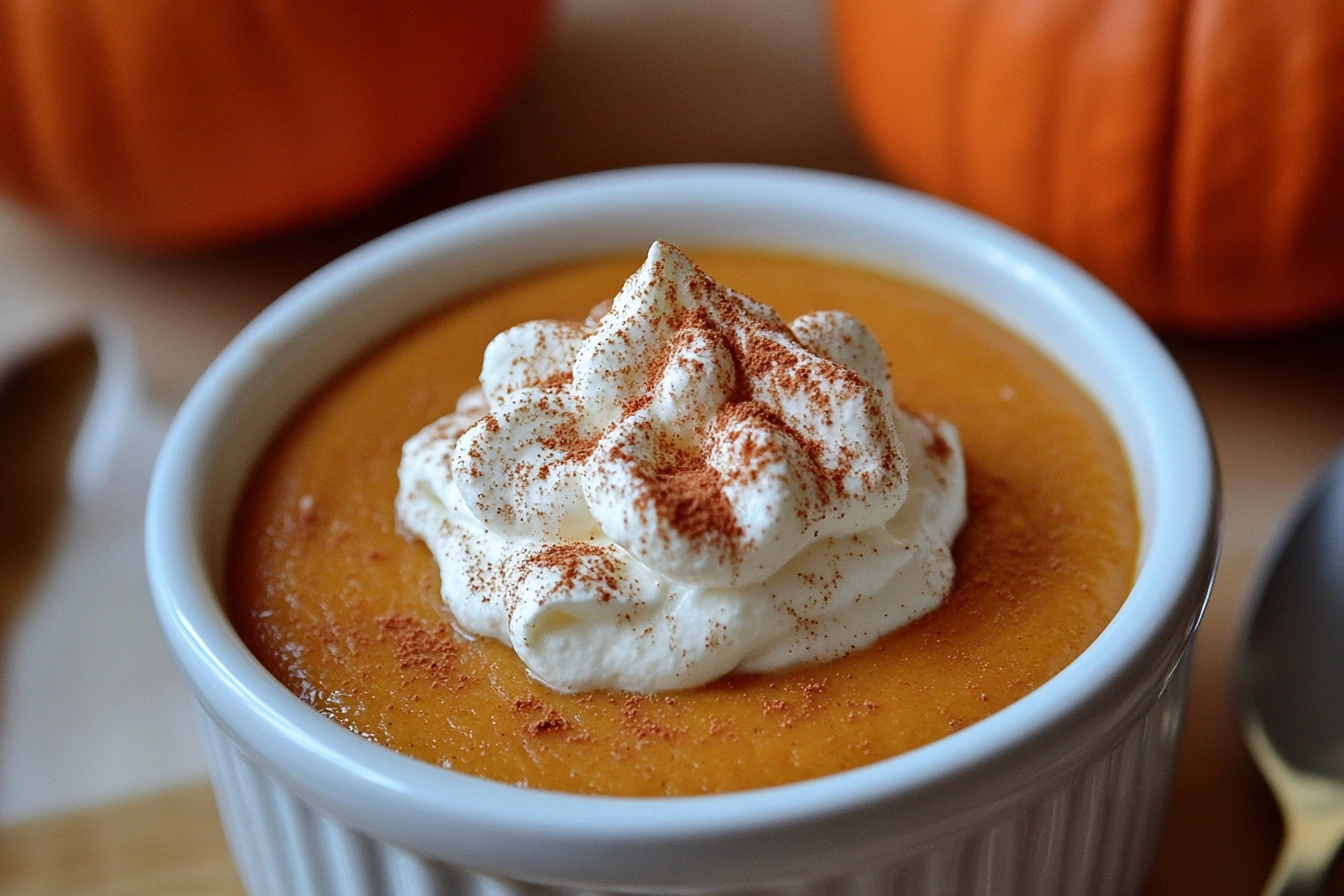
(682, 485)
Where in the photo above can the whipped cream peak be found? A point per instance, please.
(648, 499)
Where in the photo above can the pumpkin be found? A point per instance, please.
(1190, 153)
(186, 123)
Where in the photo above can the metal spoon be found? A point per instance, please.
(1291, 684)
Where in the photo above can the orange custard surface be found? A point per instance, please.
(346, 612)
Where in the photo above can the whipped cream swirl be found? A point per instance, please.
(683, 486)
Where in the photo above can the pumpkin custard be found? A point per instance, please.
(604, 569)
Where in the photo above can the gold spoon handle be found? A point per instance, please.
(1313, 817)
(1303, 862)
(1313, 832)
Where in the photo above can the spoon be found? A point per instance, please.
(1291, 684)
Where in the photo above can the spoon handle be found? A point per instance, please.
(1311, 841)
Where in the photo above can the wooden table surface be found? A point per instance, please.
(1275, 404)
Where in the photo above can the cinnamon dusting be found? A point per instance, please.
(421, 650)
(688, 494)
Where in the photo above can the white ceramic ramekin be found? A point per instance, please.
(1062, 792)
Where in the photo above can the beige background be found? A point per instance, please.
(618, 84)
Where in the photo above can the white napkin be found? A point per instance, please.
(91, 706)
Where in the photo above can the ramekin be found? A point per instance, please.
(1062, 792)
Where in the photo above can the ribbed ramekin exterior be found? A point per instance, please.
(1091, 830)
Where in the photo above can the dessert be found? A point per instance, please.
(345, 611)
(682, 487)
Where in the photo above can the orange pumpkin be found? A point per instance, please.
(1190, 153)
(183, 123)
